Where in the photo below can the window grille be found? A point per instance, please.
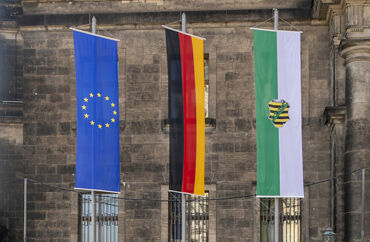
(106, 208)
(289, 219)
(197, 218)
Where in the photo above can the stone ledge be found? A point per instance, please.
(33, 7)
(11, 111)
(124, 18)
(210, 125)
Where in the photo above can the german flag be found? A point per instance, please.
(186, 111)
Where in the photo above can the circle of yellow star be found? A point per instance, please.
(86, 115)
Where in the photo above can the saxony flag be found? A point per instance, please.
(186, 111)
(277, 67)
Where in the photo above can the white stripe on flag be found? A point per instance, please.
(290, 135)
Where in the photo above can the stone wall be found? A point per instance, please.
(11, 182)
(49, 137)
(50, 128)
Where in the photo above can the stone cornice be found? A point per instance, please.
(355, 50)
(198, 17)
(321, 8)
(324, 9)
(53, 7)
(335, 18)
(346, 22)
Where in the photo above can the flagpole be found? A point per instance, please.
(183, 206)
(276, 19)
(93, 28)
(25, 211)
(276, 26)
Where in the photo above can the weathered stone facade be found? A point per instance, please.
(349, 36)
(39, 141)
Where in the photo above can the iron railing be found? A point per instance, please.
(289, 219)
(196, 218)
(106, 229)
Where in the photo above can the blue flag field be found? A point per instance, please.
(97, 156)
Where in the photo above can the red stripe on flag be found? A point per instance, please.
(189, 104)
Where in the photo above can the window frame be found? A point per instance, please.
(211, 188)
(106, 208)
(286, 219)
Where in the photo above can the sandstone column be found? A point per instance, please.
(356, 52)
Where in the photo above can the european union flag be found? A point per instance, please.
(97, 158)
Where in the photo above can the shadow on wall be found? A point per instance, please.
(3, 233)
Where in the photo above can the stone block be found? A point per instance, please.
(29, 53)
(45, 128)
(46, 89)
(151, 69)
(223, 147)
(64, 128)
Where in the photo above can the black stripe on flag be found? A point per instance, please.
(175, 110)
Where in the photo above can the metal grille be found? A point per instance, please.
(289, 220)
(106, 209)
(197, 218)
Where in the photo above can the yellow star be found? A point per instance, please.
(113, 120)
(92, 122)
(85, 99)
(91, 95)
(107, 125)
(86, 115)
(114, 112)
(107, 98)
(112, 104)
(99, 126)
(99, 95)
(83, 107)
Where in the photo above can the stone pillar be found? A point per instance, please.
(357, 133)
(334, 117)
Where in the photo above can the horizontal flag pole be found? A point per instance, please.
(98, 35)
(187, 193)
(95, 190)
(166, 27)
(273, 30)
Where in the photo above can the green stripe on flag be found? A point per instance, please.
(266, 88)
